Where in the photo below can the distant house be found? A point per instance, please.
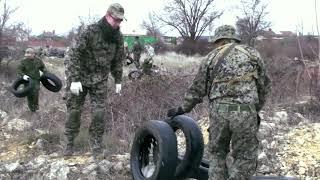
(8, 41)
(287, 34)
(48, 39)
(271, 35)
(37, 43)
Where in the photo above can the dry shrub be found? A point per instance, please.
(190, 48)
(289, 47)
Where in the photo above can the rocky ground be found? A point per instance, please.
(285, 151)
(290, 146)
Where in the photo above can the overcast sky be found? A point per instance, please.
(62, 15)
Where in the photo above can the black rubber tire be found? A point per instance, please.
(135, 74)
(194, 145)
(53, 78)
(28, 86)
(166, 154)
(200, 173)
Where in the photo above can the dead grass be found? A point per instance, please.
(141, 100)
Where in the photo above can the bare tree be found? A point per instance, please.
(253, 21)
(83, 23)
(191, 18)
(317, 25)
(151, 26)
(4, 17)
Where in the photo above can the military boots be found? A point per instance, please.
(69, 150)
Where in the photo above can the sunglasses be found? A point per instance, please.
(117, 19)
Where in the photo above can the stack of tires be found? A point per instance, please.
(154, 153)
(48, 80)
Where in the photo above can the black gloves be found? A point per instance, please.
(175, 112)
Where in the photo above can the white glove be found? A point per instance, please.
(76, 88)
(118, 88)
(25, 77)
(41, 73)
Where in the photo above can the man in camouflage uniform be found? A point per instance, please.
(32, 67)
(148, 61)
(237, 91)
(98, 52)
(137, 50)
(127, 56)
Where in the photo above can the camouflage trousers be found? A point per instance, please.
(33, 97)
(147, 67)
(136, 60)
(236, 129)
(98, 94)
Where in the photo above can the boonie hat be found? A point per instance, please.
(225, 32)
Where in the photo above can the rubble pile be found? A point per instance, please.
(300, 152)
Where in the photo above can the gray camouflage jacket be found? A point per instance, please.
(240, 79)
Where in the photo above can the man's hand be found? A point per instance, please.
(76, 88)
(25, 77)
(118, 88)
(175, 112)
(41, 73)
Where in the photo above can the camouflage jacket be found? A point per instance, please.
(31, 68)
(240, 79)
(98, 51)
(137, 47)
(126, 52)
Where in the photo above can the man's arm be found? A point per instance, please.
(20, 69)
(197, 90)
(116, 63)
(263, 83)
(73, 66)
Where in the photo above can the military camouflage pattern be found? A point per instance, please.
(225, 31)
(127, 57)
(33, 97)
(240, 128)
(147, 66)
(31, 67)
(241, 81)
(116, 10)
(98, 52)
(137, 50)
(74, 104)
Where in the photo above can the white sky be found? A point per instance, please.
(62, 15)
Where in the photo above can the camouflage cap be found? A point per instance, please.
(29, 52)
(225, 32)
(116, 10)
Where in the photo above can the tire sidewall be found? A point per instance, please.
(44, 79)
(194, 145)
(25, 91)
(167, 149)
(131, 73)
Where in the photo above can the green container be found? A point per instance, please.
(143, 39)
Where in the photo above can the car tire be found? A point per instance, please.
(135, 74)
(161, 136)
(194, 145)
(202, 172)
(46, 80)
(28, 86)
